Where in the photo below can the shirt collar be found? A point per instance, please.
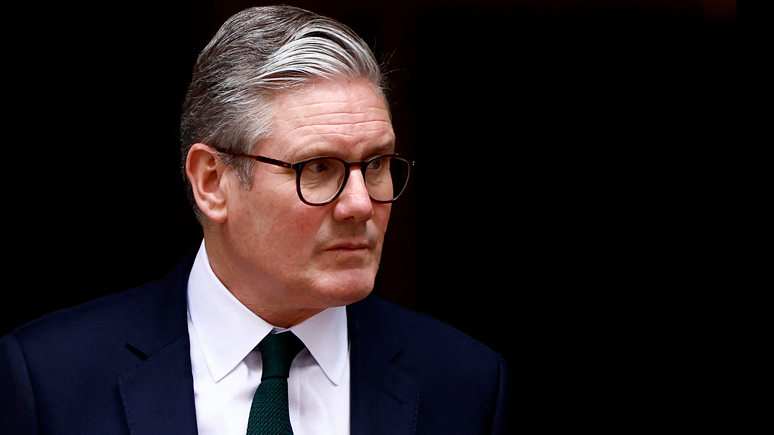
(228, 331)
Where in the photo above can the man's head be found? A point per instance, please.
(256, 55)
(287, 85)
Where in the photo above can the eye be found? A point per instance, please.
(322, 170)
(318, 166)
(376, 164)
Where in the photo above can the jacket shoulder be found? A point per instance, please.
(84, 335)
(419, 334)
(464, 386)
(63, 369)
(106, 315)
(112, 314)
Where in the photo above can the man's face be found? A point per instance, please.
(294, 255)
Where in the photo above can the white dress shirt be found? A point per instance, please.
(227, 365)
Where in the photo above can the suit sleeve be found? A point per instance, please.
(506, 416)
(17, 401)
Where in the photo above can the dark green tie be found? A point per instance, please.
(269, 412)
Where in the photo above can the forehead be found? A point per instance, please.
(332, 118)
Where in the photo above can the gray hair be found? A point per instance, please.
(257, 54)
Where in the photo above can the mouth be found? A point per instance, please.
(349, 247)
(352, 254)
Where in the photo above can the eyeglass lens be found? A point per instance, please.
(385, 178)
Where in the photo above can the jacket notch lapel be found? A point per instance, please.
(158, 393)
(384, 399)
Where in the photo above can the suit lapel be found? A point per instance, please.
(384, 400)
(157, 393)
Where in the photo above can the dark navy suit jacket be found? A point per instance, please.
(121, 365)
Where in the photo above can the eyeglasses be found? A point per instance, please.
(322, 179)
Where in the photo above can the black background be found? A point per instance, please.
(572, 206)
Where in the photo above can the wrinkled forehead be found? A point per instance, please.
(333, 116)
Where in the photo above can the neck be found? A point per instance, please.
(255, 293)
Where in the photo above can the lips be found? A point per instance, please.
(349, 246)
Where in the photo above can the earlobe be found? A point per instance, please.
(206, 174)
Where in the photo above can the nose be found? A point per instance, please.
(354, 201)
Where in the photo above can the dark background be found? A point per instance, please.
(572, 206)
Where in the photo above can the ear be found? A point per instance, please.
(206, 174)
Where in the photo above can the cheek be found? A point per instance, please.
(382, 217)
(304, 221)
(296, 229)
(278, 210)
(307, 221)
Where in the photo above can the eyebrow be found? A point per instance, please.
(323, 151)
(384, 149)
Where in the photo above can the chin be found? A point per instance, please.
(347, 288)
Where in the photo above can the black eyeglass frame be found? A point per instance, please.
(299, 167)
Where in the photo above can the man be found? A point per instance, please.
(290, 159)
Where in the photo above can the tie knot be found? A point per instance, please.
(277, 353)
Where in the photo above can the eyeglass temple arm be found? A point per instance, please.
(259, 158)
(270, 161)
